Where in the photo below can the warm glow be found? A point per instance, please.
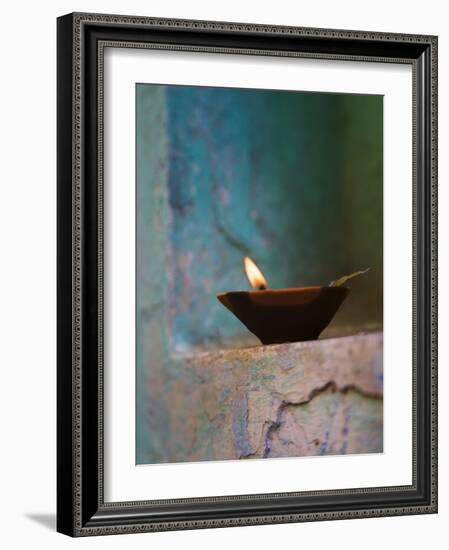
(254, 274)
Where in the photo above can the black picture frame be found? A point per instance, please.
(81, 510)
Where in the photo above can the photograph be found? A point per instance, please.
(220, 275)
(247, 291)
(259, 273)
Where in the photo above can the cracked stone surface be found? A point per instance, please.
(302, 399)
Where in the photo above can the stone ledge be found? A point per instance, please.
(299, 399)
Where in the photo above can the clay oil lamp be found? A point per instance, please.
(285, 315)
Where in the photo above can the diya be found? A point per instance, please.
(285, 315)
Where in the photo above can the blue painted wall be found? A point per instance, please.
(292, 179)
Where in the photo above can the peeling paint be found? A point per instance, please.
(240, 426)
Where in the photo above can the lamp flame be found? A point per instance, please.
(255, 276)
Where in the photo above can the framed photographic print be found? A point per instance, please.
(247, 293)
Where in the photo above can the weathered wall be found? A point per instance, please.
(293, 180)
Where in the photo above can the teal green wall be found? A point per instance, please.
(292, 179)
(361, 177)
